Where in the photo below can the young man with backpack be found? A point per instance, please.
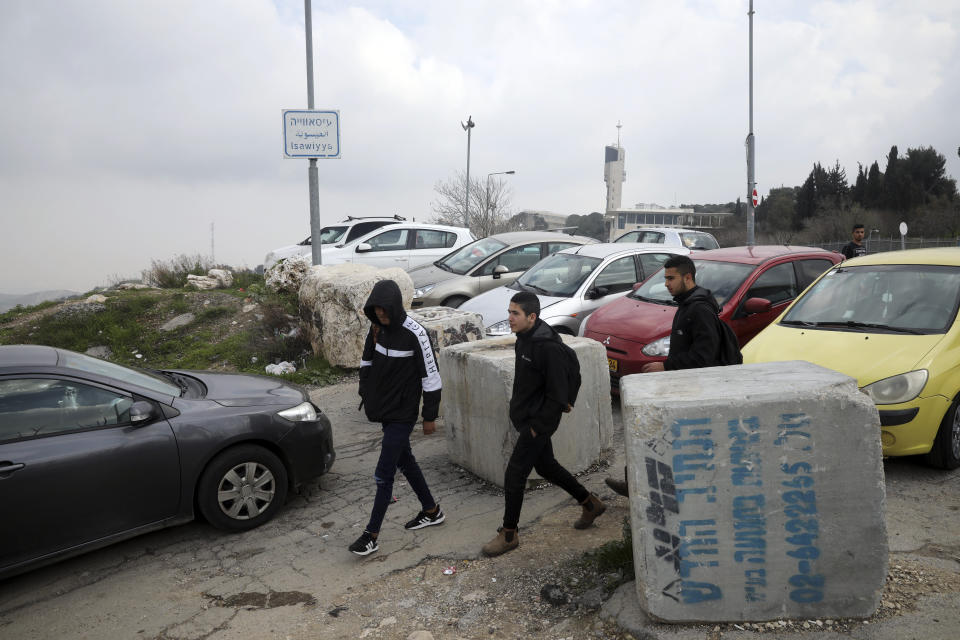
(545, 383)
(698, 337)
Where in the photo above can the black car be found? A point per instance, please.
(92, 452)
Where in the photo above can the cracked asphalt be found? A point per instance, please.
(294, 578)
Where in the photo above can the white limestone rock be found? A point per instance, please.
(223, 276)
(288, 274)
(203, 283)
(96, 298)
(331, 306)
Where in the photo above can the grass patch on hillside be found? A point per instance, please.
(12, 314)
(221, 337)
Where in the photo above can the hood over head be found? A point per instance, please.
(386, 294)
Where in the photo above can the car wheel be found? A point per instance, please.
(454, 301)
(242, 488)
(946, 446)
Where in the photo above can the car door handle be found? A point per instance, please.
(7, 467)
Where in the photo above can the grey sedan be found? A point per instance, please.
(484, 264)
(92, 452)
(574, 283)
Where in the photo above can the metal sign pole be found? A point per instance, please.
(751, 151)
(315, 239)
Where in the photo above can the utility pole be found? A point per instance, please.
(315, 238)
(751, 148)
(213, 258)
(468, 127)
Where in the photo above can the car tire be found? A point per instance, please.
(454, 301)
(242, 488)
(945, 453)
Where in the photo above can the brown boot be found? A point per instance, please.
(592, 508)
(506, 540)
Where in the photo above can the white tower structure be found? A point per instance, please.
(614, 173)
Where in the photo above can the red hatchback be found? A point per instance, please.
(752, 285)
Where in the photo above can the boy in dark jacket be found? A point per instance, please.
(695, 337)
(539, 398)
(397, 363)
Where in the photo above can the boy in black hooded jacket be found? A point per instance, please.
(397, 363)
(538, 401)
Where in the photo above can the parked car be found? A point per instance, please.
(484, 264)
(343, 233)
(890, 321)
(689, 238)
(573, 283)
(752, 285)
(405, 245)
(92, 452)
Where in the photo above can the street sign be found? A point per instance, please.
(755, 200)
(903, 228)
(311, 133)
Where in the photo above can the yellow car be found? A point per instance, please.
(890, 321)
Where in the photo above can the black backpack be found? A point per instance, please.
(572, 369)
(729, 347)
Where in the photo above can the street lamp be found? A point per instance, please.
(486, 206)
(872, 231)
(467, 126)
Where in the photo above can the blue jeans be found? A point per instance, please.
(395, 453)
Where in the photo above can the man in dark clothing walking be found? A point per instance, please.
(695, 337)
(539, 398)
(397, 363)
(855, 247)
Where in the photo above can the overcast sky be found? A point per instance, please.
(129, 128)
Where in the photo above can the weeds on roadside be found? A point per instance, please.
(612, 561)
(172, 274)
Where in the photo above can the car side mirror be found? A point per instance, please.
(756, 305)
(499, 270)
(363, 247)
(143, 412)
(597, 292)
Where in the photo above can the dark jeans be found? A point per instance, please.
(528, 454)
(395, 453)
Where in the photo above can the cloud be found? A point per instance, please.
(130, 127)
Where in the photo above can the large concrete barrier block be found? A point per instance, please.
(448, 326)
(331, 307)
(477, 384)
(756, 493)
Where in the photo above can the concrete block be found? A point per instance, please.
(448, 326)
(756, 493)
(477, 385)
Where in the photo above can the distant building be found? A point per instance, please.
(614, 174)
(617, 223)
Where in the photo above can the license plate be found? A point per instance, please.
(612, 364)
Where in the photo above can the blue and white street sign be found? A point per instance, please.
(311, 133)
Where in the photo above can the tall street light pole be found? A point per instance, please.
(467, 126)
(486, 206)
(751, 150)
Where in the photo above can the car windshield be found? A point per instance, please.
(329, 235)
(889, 298)
(466, 258)
(138, 377)
(721, 278)
(698, 240)
(559, 275)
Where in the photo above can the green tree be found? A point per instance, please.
(590, 225)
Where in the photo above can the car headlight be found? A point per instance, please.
(659, 347)
(303, 412)
(501, 328)
(897, 389)
(424, 290)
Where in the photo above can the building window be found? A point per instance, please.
(621, 220)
